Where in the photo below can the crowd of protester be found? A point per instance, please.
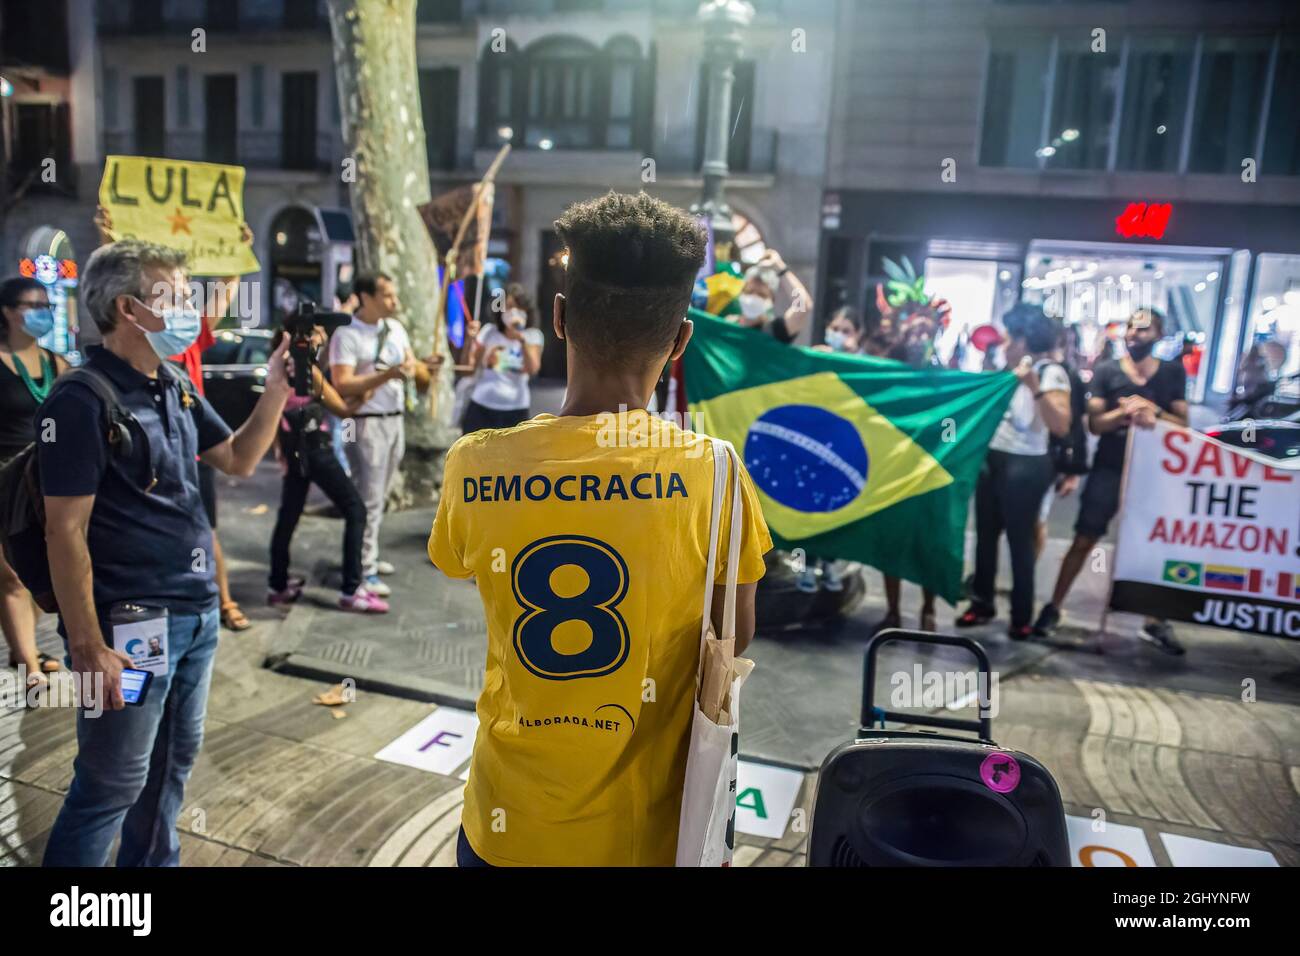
(130, 498)
(1039, 453)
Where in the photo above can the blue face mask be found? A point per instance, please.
(38, 322)
(836, 339)
(180, 328)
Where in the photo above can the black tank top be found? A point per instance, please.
(17, 412)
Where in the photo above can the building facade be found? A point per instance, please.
(1094, 156)
(593, 95)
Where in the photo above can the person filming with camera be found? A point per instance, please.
(307, 455)
(129, 550)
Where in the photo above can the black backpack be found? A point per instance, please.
(22, 506)
(1070, 452)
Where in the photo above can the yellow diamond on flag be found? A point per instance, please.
(820, 456)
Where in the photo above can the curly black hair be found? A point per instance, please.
(632, 266)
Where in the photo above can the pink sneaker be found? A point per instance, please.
(282, 598)
(363, 602)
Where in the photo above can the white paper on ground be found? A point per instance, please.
(1191, 851)
(439, 744)
(771, 790)
(1117, 845)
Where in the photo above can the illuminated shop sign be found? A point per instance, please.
(59, 276)
(1141, 220)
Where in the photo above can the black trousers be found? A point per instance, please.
(1007, 498)
(465, 855)
(478, 417)
(323, 470)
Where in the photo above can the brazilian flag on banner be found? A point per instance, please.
(859, 458)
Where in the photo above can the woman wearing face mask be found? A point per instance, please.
(843, 332)
(507, 352)
(27, 372)
(758, 296)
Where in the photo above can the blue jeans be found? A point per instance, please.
(132, 764)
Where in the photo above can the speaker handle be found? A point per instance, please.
(983, 726)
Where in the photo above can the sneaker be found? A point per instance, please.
(1049, 619)
(1020, 633)
(280, 598)
(1161, 635)
(363, 602)
(377, 587)
(384, 567)
(976, 615)
(807, 581)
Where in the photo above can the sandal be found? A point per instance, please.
(48, 663)
(888, 622)
(233, 617)
(928, 622)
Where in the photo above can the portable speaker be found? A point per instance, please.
(914, 798)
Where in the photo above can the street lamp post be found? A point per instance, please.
(724, 24)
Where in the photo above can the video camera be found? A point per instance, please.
(299, 327)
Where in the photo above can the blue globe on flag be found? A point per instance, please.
(807, 458)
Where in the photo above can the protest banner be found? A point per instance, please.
(195, 207)
(1208, 533)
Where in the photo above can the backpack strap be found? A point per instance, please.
(102, 386)
(117, 419)
(187, 385)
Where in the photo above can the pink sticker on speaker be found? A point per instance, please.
(1000, 772)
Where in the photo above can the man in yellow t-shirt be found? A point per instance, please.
(588, 535)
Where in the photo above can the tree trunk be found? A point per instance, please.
(383, 133)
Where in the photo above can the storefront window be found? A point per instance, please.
(1014, 100)
(1155, 103)
(1083, 106)
(1229, 91)
(1282, 140)
(1273, 350)
(1095, 287)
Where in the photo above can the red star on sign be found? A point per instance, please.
(180, 223)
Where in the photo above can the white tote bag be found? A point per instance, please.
(706, 830)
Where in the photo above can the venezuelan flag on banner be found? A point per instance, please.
(858, 458)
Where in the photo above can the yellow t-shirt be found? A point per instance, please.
(588, 540)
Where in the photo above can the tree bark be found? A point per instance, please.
(383, 133)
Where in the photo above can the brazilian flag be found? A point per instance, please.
(860, 458)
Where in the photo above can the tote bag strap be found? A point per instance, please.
(723, 453)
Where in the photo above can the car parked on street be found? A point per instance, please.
(234, 372)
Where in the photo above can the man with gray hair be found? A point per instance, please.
(130, 550)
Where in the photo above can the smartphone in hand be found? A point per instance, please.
(135, 685)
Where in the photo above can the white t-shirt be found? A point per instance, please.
(504, 389)
(355, 345)
(1022, 430)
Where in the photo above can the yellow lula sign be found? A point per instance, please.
(195, 207)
